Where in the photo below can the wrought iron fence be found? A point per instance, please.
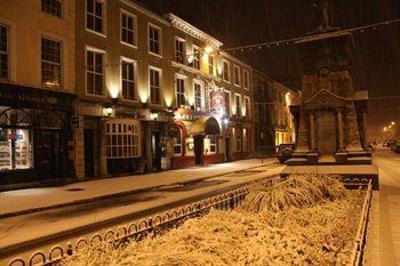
(139, 230)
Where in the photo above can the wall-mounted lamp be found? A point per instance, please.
(226, 121)
(208, 50)
(153, 116)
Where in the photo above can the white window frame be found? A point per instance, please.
(135, 76)
(229, 71)
(230, 103)
(135, 147)
(237, 76)
(104, 19)
(8, 52)
(160, 42)
(213, 144)
(184, 78)
(238, 104)
(135, 28)
(159, 70)
(60, 64)
(246, 74)
(202, 101)
(180, 145)
(194, 57)
(51, 14)
(96, 50)
(179, 39)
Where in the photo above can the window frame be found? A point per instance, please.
(180, 144)
(213, 144)
(52, 14)
(183, 56)
(202, 92)
(229, 113)
(99, 51)
(211, 65)
(246, 76)
(160, 42)
(196, 57)
(135, 28)
(228, 71)
(60, 64)
(103, 19)
(238, 107)
(238, 75)
(177, 94)
(159, 70)
(124, 138)
(247, 106)
(135, 71)
(7, 52)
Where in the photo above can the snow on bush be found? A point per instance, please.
(303, 221)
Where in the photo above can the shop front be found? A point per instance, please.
(35, 135)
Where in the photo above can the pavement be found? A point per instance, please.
(24, 234)
(18, 202)
(383, 243)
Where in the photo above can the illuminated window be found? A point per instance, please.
(128, 79)
(198, 95)
(95, 15)
(155, 85)
(94, 72)
(4, 52)
(122, 139)
(177, 140)
(52, 7)
(236, 75)
(211, 65)
(128, 28)
(180, 54)
(226, 73)
(154, 39)
(196, 57)
(51, 63)
(180, 91)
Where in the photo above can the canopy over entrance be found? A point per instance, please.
(206, 125)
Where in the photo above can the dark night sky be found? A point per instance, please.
(240, 22)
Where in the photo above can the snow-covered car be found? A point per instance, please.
(284, 152)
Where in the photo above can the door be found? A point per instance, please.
(228, 149)
(156, 151)
(199, 149)
(48, 151)
(89, 157)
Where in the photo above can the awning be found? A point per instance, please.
(206, 125)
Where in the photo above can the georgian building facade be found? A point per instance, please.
(37, 83)
(274, 123)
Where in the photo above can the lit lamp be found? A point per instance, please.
(108, 110)
(226, 121)
(393, 123)
(208, 50)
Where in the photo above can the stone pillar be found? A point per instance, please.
(103, 149)
(340, 130)
(302, 139)
(353, 133)
(312, 131)
(365, 129)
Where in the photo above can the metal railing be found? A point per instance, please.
(139, 230)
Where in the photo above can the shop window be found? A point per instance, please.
(51, 63)
(180, 54)
(52, 7)
(128, 79)
(180, 92)
(94, 72)
(128, 28)
(155, 86)
(4, 52)
(154, 40)
(123, 140)
(15, 140)
(196, 57)
(95, 15)
(177, 140)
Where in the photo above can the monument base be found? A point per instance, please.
(353, 175)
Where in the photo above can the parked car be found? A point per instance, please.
(284, 152)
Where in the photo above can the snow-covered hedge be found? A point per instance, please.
(302, 221)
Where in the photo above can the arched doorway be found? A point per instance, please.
(204, 126)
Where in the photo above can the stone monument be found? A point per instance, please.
(331, 117)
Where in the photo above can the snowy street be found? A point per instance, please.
(56, 225)
(383, 244)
